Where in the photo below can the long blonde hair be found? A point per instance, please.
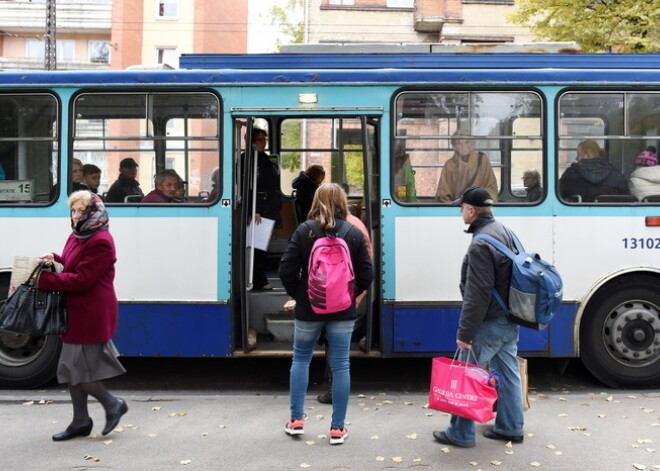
(328, 199)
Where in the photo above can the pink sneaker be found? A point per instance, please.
(295, 427)
(338, 435)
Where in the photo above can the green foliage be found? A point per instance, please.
(595, 25)
(291, 139)
(288, 19)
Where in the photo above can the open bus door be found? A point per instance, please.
(349, 155)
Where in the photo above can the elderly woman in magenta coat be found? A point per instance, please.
(88, 354)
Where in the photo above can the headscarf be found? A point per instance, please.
(94, 219)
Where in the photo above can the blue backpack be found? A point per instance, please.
(536, 288)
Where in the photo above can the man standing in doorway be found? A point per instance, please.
(483, 326)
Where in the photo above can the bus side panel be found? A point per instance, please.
(174, 330)
(418, 329)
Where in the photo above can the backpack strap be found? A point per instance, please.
(344, 228)
(315, 228)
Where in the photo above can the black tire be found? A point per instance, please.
(26, 361)
(620, 333)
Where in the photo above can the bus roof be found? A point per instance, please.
(420, 61)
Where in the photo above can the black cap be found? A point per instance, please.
(475, 196)
(128, 163)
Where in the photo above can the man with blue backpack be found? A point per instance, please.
(484, 324)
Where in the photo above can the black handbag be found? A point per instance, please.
(32, 311)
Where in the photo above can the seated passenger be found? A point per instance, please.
(77, 176)
(532, 182)
(91, 177)
(645, 179)
(215, 185)
(464, 169)
(180, 194)
(126, 184)
(591, 175)
(305, 185)
(167, 184)
(404, 177)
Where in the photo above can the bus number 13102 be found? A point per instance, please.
(641, 243)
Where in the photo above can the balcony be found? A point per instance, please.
(82, 16)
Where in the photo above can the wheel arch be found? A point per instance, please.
(601, 286)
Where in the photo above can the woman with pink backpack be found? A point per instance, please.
(324, 267)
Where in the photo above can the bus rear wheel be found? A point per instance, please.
(620, 334)
(26, 361)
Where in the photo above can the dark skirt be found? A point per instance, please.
(88, 362)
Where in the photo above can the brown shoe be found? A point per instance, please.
(325, 398)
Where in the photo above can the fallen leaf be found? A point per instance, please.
(562, 415)
(361, 396)
(639, 466)
(429, 414)
(107, 442)
(28, 403)
(473, 463)
(558, 453)
(650, 450)
(380, 458)
(643, 441)
(388, 402)
(412, 436)
(496, 463)
(601, 416)
(204, 434)
(408, 403)
(508, 452)
(305, 465)
(185, 462)
(397, 459)
(563, 399)
(322, 436)
(156, 408)
(310, 442)
(552, 447)
(609, 399)
(509, 445)
(444, 449)
(535, 464)
(375, 437)
(319, 416)
(151, 435)
(417, 460)
(222, 426)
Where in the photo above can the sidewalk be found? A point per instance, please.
(599, 430)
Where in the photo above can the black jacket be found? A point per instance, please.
(293, 270)
(484, 267)
(590, 178)
(123, 187)
(305, 189)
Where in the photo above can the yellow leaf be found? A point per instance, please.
(361, 396)
(397, 459)
(204, 434)
(473, 463)
(639, 466)
(319, 416)
(375, 437)
(601, 416)
(305, 465)
(509, 445)
(222, 426)
(643, 441)
(185, 462)
(558, 453)
(408, 403)
(562, 415)
(151, 435)
(552, 447)
(444, 449)
(496, 463)
(157, 408)
(417, 460)
(609, 399)
(535, 464)
(412, 436)
(508, 452)
(107, 442)
(28, 403)
(310, 442)
(380, 458)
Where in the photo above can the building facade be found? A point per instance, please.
(116, 34)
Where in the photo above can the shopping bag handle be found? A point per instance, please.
(470, 352)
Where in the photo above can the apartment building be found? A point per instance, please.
(116, 34)
(412, 21)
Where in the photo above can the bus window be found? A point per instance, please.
(478, 138)
(29, 157)
(333, 143)
(602, 138)
(157, 130)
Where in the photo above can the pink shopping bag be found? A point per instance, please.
(462, 389)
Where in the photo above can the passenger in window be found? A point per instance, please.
(167, 184)
(181, 190)
(126, 184)
(215, 185)
(645, 179)
(91, 177)
(532, 183)
(269, 202)
(404, 176)
(592, 175)
(464, 169)
(305, 185)
(77, 176)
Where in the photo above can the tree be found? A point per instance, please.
(595, 25)
(289, 20)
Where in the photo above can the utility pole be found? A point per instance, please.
(51, 42)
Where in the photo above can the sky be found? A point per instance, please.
(262, 35)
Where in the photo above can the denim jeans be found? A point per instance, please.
(495, 347)
(338, 335)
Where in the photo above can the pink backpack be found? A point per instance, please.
(330, 282)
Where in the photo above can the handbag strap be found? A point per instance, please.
(32, 279)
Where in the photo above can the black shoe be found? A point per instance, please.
(112, 416)
(493, 435)
(73, 432)
(441, 437)
(325, 398)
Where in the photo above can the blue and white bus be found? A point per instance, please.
(183, 276)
